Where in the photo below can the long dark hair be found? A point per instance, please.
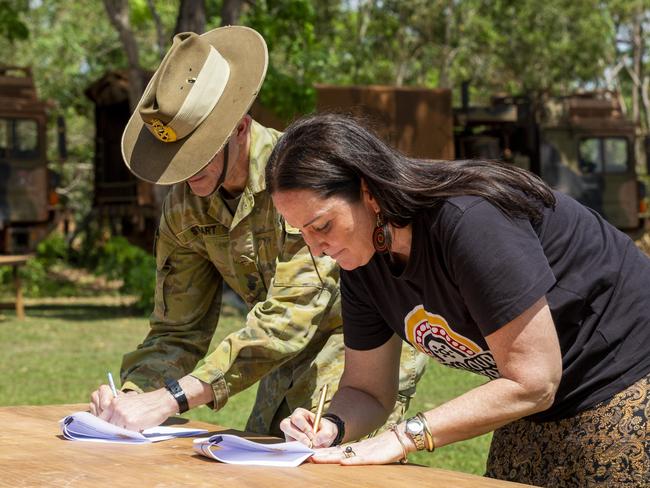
(330, 154)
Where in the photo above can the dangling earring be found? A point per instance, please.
(381, 237)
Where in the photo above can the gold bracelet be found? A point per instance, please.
(428, 437)
(404, 460)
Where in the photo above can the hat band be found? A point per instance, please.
(206, 90)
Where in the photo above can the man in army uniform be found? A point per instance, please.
(218, 225)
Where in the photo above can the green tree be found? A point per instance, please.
(629, 72)
(296, 53)
(12, 26)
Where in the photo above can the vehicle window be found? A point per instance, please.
(25, 139)
(4, 137)
(615, 155)
(590, 156)
(604, 154)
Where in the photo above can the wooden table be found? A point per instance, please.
(16, 260)
(33, 454)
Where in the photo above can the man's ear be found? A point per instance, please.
(243, 127)
(368, 198)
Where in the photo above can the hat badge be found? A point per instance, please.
(161, 131)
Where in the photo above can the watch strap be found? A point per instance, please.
(177, 392)
(340, 425)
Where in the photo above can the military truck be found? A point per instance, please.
(27, 197)
(582, 145)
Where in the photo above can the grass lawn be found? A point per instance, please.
(63, 350)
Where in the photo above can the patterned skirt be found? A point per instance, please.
(605, 446)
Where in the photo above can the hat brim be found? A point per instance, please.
(166, 163)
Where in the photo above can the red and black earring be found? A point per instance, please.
(381, 237)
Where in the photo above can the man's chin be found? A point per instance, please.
(200, 190)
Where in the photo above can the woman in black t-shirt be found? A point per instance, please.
(485, 268)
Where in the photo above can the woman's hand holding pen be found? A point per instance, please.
(383, 449)
(300, 427)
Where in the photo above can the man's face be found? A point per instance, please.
(205, 181)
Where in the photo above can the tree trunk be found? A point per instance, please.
(446, 48)
(637, 40)
(230, 12)
(364, 11)
(160, 31)
(118, 14)
(645, 98)
(191, 17)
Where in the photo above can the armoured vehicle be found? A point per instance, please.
(27, 197)
(582, 145)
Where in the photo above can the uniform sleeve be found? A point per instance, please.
(302, 305)
(186, 311)
(498, 263)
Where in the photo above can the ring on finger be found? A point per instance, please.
(349, 452)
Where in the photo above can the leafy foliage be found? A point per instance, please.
(549, 46)
(516, 47)
(49, 273)
(12, 27)
(118, 259)
(289, 27)
(36, 281)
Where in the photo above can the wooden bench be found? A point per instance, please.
(15, 261)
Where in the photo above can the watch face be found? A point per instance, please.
(414, 426)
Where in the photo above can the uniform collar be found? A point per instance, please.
(262, 142)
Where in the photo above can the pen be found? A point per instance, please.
(112, 383)
(319, 410)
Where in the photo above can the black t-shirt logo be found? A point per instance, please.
(431, 334)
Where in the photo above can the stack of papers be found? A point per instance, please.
(236, 450)
(83, 426)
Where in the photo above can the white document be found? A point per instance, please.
(237, 450)
(84, 426)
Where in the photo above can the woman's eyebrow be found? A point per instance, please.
(311, 221)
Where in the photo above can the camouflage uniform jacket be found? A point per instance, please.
(292, 339)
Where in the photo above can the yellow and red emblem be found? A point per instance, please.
(161, 131)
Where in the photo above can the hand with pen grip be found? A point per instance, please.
(300, 427)
(389, 447)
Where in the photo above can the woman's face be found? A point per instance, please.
(332, 226)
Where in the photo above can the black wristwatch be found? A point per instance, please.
(340, 425)
(177, 392)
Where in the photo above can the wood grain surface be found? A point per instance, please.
(33, 454)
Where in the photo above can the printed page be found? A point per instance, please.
(237, 450)
(83, 426)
